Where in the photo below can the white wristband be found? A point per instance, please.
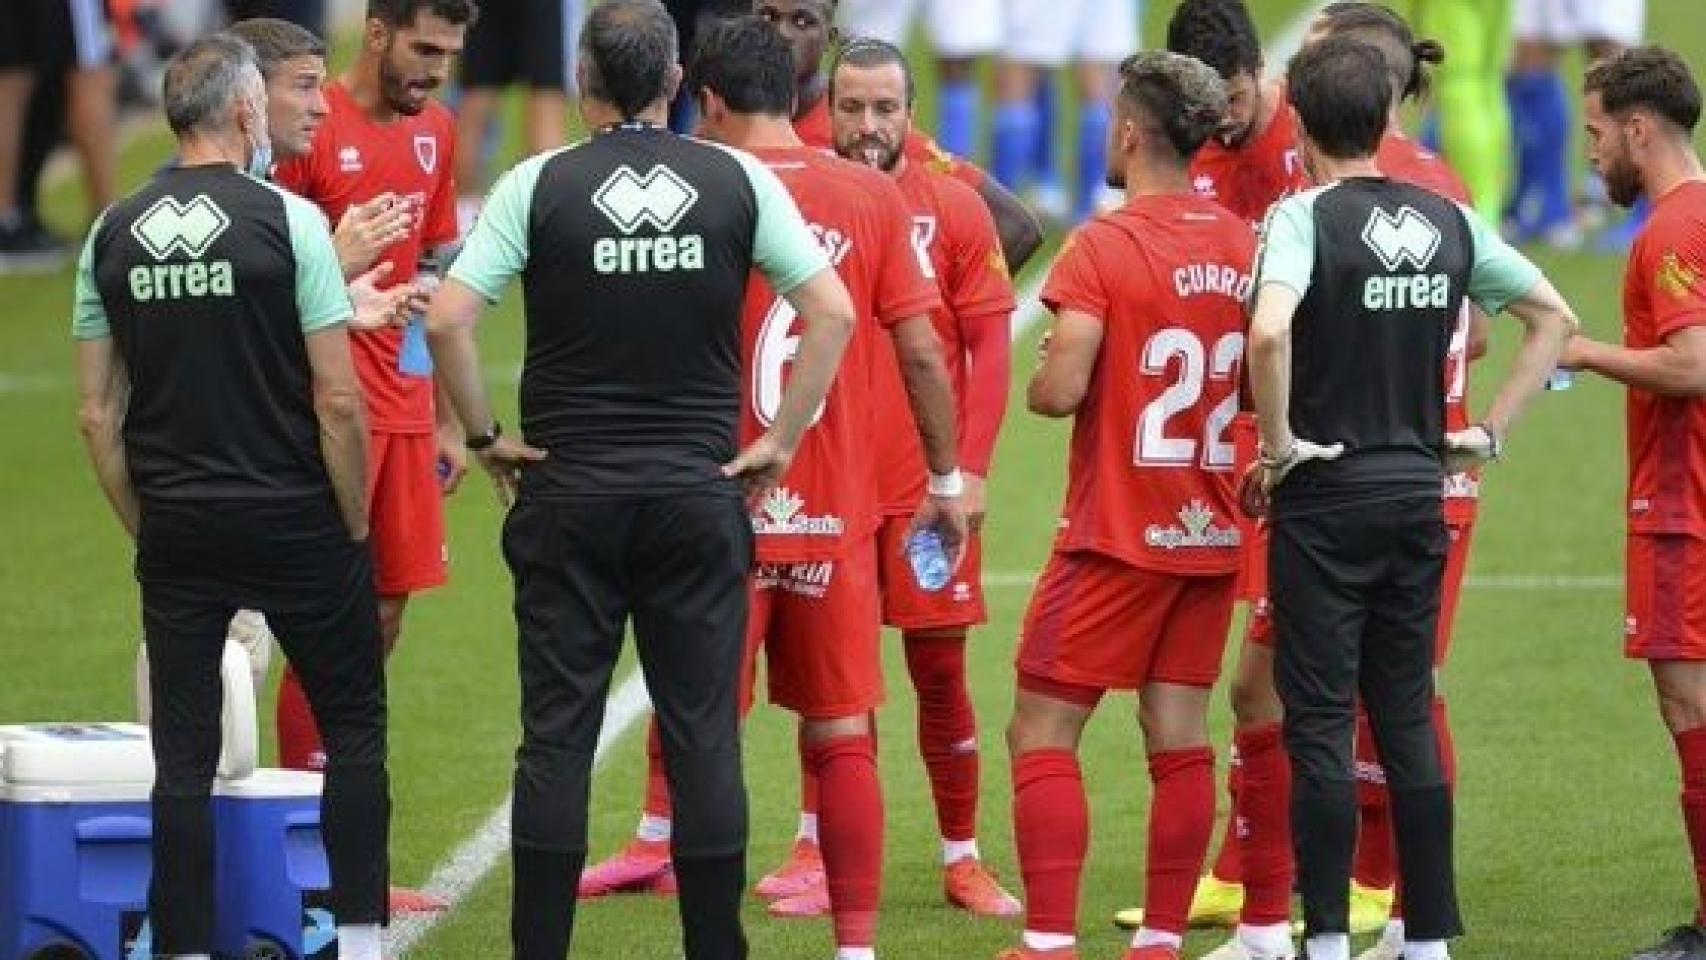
(950, 484)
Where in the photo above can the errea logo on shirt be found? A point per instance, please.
(185, 230)
(660, 199)
(1404, 239)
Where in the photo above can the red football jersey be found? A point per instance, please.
(816, 130)
(1664, 291)
(353, 160)
(1407, 161)
(1251, 178)
(827, 501)
(1151, 479)
(953, 228)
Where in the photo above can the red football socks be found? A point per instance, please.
(657, 784)
(947, 730)
(1229, 865)
(1051, 823)
(1265, 799)
(1181, 825)
(850, 834)
(1691, 750)
(299, 746)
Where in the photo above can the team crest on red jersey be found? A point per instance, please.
(426, 151)
(1677, 278)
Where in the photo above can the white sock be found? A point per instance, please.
(1330, 946)
(1426, 950)
(1393, 935)
(953, 851)
(855, 953)
(1268, 939)
(1048, 941)
(360, 941)
(653, 829)
(808, 827)
(1145, 937)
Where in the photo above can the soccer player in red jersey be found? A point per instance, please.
(1145, 355)
(815, 609)
(871, 94)
(1641, 108)
(385, 134)
(809, 27)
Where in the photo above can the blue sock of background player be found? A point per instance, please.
(1540, 111)
(1093, 120)
(957, 129)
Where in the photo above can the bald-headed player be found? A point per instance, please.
(809, 27)
(871, 99)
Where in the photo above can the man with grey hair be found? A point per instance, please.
(1149, 306)
(220, 408)
(635, 248)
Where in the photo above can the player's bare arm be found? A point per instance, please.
(1674, 368)
(456, 361)
(1068, 359)
(1020, 231)
(826, 313)
(1547, 321)
(931, 395)
(343, 427)
(104, 390)
(1476, 346)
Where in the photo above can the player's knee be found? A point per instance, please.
(1254, 702)
(549, 812)
(1168, 729)
(1682, 712)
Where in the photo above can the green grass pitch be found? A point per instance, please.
(1571, 844)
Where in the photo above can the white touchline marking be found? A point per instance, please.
(470, 862)
(459, 873)
(1507, 582)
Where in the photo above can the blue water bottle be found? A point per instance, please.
(414, 358)
(928, 556)
(1561, 379)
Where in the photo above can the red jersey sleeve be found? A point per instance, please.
(980, 299)
(441, 226)
(1675, 262)
(980, 283)
(906, 285)
(1075, 283)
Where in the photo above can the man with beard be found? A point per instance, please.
(871, 96)
(1641, 109)
(1139, 590)
(809, 27)
(384, 134)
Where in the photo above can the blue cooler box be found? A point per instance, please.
(273, 878)
(74, 841)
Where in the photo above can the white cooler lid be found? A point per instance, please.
(268, 783)
(40, 754)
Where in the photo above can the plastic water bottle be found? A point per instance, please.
(929, 558)
(414, 358)
(1561, 379)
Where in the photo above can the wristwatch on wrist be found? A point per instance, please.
(481, 441)
(950, 484)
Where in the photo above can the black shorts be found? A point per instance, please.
(54, 34)
(526, 42)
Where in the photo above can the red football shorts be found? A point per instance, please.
(1260, 628)
(906, 606)
(818, 626)
(406, 513)
(1098, 622)
(1666, 618)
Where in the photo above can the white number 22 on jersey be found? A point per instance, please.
(777, 347)
(1197, 367)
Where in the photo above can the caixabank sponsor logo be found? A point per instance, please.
(1196, 531)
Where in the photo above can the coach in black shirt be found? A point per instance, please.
(634, 248)
(220, 407)
(1359, 286)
